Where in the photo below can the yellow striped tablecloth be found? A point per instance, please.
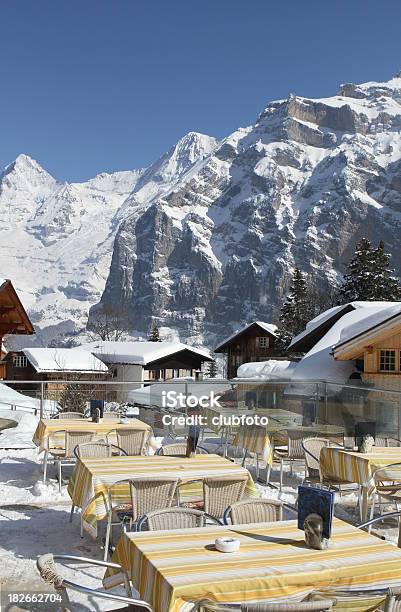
(279, 432)
(91, 479)
(173, 569)
(47, 427)
(358, 467)
(255, 439)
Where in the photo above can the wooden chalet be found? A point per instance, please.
(13, 317)
(375, 346)
(53, 365)
(255, 342)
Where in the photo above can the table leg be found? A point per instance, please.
(364, 505)
(45, 466)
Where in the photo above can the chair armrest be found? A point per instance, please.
(379, 518)
(122, 451)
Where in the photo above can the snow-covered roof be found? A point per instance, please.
(269, 327)
(323, 319)
(319, 363)
(366, 320)
(140, 353)
(63, 360)
(313, 324)
(273, 369)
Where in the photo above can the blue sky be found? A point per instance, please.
(102, 85)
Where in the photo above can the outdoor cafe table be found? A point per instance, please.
(47, 427)
(91, 479)
(358, 467)
(173, 569)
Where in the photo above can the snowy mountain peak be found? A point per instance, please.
(161, 176)
(194, 146)
(188, 150)
(25, 165)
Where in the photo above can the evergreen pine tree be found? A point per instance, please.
(211, 369)
(368, 276)
(297, 310)
(154, 335)
(386, 286)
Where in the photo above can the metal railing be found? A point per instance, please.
(290, 403)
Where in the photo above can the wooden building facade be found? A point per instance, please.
(255, 342)
(13, 318)
(377, 352)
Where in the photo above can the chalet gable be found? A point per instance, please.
(265, 329)
(380, 328)
(13, 317)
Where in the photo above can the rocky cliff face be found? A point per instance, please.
(56, 239)
(299, 187)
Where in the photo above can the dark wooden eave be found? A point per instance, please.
(13, 317)
(184, 359)
(303, 345)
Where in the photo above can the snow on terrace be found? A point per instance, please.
(22, 412)
(139, 353)
(63, 360)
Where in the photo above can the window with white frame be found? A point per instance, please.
(20, 361)
(387, 360)
(263, 342)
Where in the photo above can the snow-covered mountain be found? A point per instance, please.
(299, 187)
(56, 239)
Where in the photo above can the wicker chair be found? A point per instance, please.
(147, 494)
(312, 448)
(132, 441)
(388, 485)
(65, 456)
(387, 441)
(171, 518)
(393, 600)
(217, 493)
(320, 605)
(88, 450)
(294, 451)
(180, 449)
(111, 415)
(49, 573)
(254, 511)
(69, 415)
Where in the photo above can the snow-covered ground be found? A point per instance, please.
(34, 519)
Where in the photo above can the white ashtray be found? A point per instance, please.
(124, 421)
(227, 545)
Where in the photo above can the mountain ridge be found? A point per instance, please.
(298, 188)
(56, 238)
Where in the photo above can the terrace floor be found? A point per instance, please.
(34, 519)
